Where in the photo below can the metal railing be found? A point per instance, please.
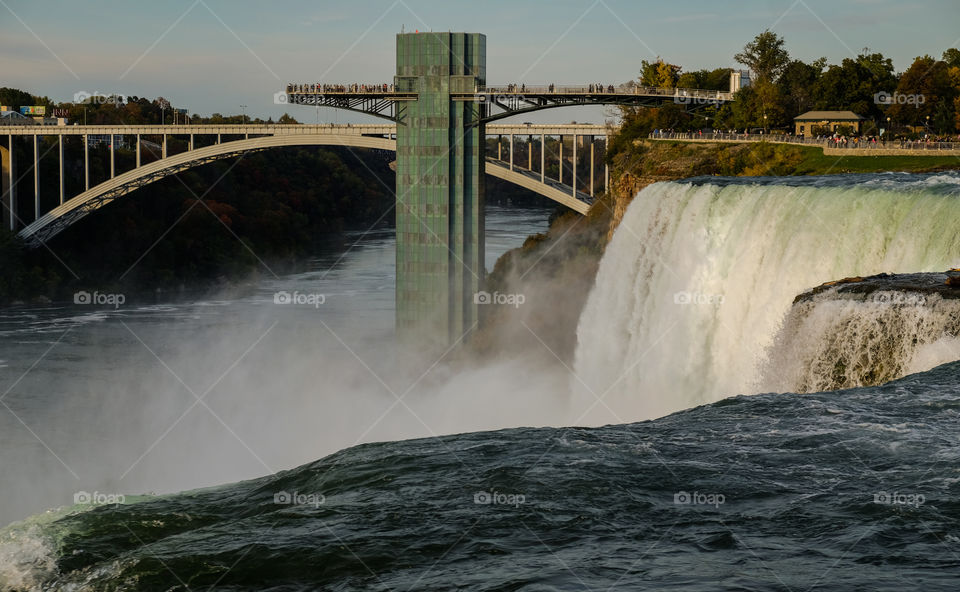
(829, 142)
(681, 95)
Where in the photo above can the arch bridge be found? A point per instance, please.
(515, 147)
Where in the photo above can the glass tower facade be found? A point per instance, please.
(440, 185)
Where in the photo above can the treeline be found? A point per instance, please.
(99, 109)
(924, 99)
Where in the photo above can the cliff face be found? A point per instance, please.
(554, 272)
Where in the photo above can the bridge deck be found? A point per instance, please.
(278, 129)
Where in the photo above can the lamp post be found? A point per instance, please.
(765, 130)
(244, 110)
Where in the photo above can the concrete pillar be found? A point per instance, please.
(191, 141)
(36, 177)
(591, 165)
(606, 168)
(543, 158)
(560, 164)
(138, 151)
(499, 147)
(60, 146)
(218, 138)
(164, 148)
(113, 168)
(86, 162)
(7, 181)
(574, 184)
(529, 153)
(511, 152)
(440, 189)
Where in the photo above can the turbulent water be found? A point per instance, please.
(834, 341)
(850, 490)
(854, 489)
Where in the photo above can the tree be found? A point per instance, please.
(796, 86)
(855, 85)
(659, 74)
(765, 56)
(952, 57)
(924, 85)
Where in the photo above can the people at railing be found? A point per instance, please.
(361, 88)
(853, 142)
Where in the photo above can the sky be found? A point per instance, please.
(215, 55)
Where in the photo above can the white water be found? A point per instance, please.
(841, 341)
(697, 280)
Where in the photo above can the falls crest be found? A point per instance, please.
(699, 277)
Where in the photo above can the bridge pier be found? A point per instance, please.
(543, 158)
(560, 166)
(591, 164)
(60, 149)
(440, 186)
(573, 185)
(86, 162)
(36, 177)
(7, 166)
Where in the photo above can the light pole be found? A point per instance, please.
(765, 130)
(244, 110)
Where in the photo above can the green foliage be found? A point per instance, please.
(853, 84)
(765, 56)
(926, 78)
(659, 74)
(952, 57)
(796, 86)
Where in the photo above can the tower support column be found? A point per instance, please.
(440, 186)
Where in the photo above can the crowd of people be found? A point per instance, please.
(339, 88)
(836, 140)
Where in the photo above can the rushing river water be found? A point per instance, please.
(854, 489)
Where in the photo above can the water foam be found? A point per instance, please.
(832, 342)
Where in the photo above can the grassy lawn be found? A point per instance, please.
(815, 162)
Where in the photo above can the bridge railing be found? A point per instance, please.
(849, 143)
(681, 94)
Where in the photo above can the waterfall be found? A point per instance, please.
(700, 276)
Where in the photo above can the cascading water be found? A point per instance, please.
(833, 341)
(700, 275)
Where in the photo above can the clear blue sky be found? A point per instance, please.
(214, 55)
